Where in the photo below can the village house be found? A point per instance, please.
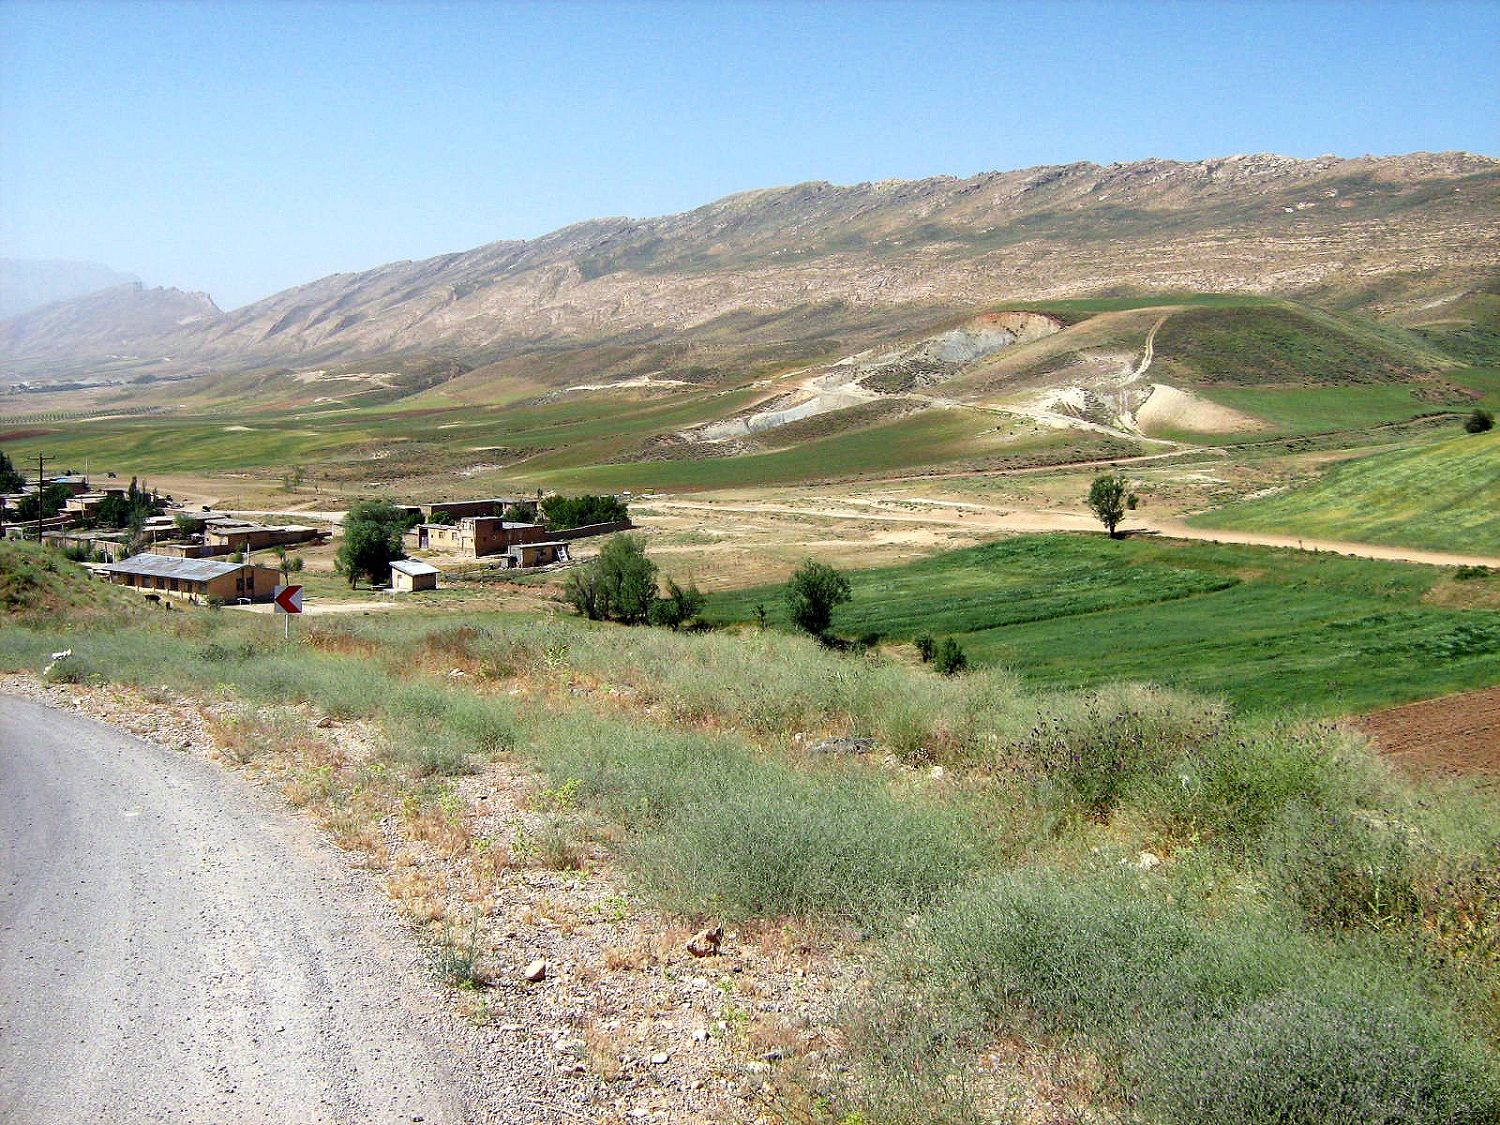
(537, 554)
(227, 535)
(477, 536)
(197, 579)
(408, 575)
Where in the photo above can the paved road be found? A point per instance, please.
(174, 948)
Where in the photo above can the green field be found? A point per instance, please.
(1445, 497)
(1268, 629)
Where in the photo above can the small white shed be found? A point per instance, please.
(412, 574)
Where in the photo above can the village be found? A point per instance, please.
(134, 537)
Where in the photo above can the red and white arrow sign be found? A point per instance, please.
(288, 599)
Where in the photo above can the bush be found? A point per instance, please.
(1350, 1055)
(926, 646)
(372, 532)
(1481, 421)
(680, 606)
(813, 592)
(1099, 745)
(948, 658)
(721, 830)
(619, 585)
(1240, 1020)
(562, 513)
(1235, 783)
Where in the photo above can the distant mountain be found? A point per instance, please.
(781, 271)
(125, 327)
(26, 285)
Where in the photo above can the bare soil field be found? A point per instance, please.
(1455, 735)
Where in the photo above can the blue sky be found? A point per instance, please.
(240, 148)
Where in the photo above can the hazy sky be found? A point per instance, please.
(240, 148)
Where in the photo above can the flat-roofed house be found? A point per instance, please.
(195, 578)
(537, 554)
(408, 575)
(477, 536)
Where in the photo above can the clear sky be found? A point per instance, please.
(240, 148)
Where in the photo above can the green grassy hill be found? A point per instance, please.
(1268, 629)
(1444, 496)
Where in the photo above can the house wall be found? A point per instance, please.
(407, 583)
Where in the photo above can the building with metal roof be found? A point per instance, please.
(195, 578)
(413, 574)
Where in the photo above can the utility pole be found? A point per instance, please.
(41, 488)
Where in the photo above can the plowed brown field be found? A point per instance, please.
(1458, 734)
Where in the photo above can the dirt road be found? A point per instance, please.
(977, 517)
(173, 948)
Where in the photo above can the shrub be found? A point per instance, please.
(926, 646)
(813, 592)
(1345, 869)
(724, 831)
(1347, 1055)
(619, 585)
(564, 512)
(372, 532)
(1481, 421)
(948, 658)
(1235, 783)
(680, 606)
(1240, 1020)
(1098, 745)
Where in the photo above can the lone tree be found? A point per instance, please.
(372, 541)
(1109, 497)
(619, 585)
(1480, 421)
(811, 595)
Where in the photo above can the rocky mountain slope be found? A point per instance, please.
(823, 269)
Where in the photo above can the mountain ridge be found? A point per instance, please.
(810, 260)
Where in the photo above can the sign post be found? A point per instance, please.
(288, 600)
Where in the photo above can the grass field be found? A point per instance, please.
(1267, 629)
(1444, 496)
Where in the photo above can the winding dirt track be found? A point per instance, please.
(174, 949)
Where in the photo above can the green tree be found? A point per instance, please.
(618, 585)
(681, 605)
(10, 480)
(522, 511)
(1109, 497)
(627, 578)
(811, 595)
(1480, 421)
(372, 541)
(51, 499)
(563, 512)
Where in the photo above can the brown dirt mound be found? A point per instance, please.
(1458, 734)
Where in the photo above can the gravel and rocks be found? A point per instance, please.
(586, 1004)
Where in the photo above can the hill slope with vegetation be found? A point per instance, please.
(1444, 496)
